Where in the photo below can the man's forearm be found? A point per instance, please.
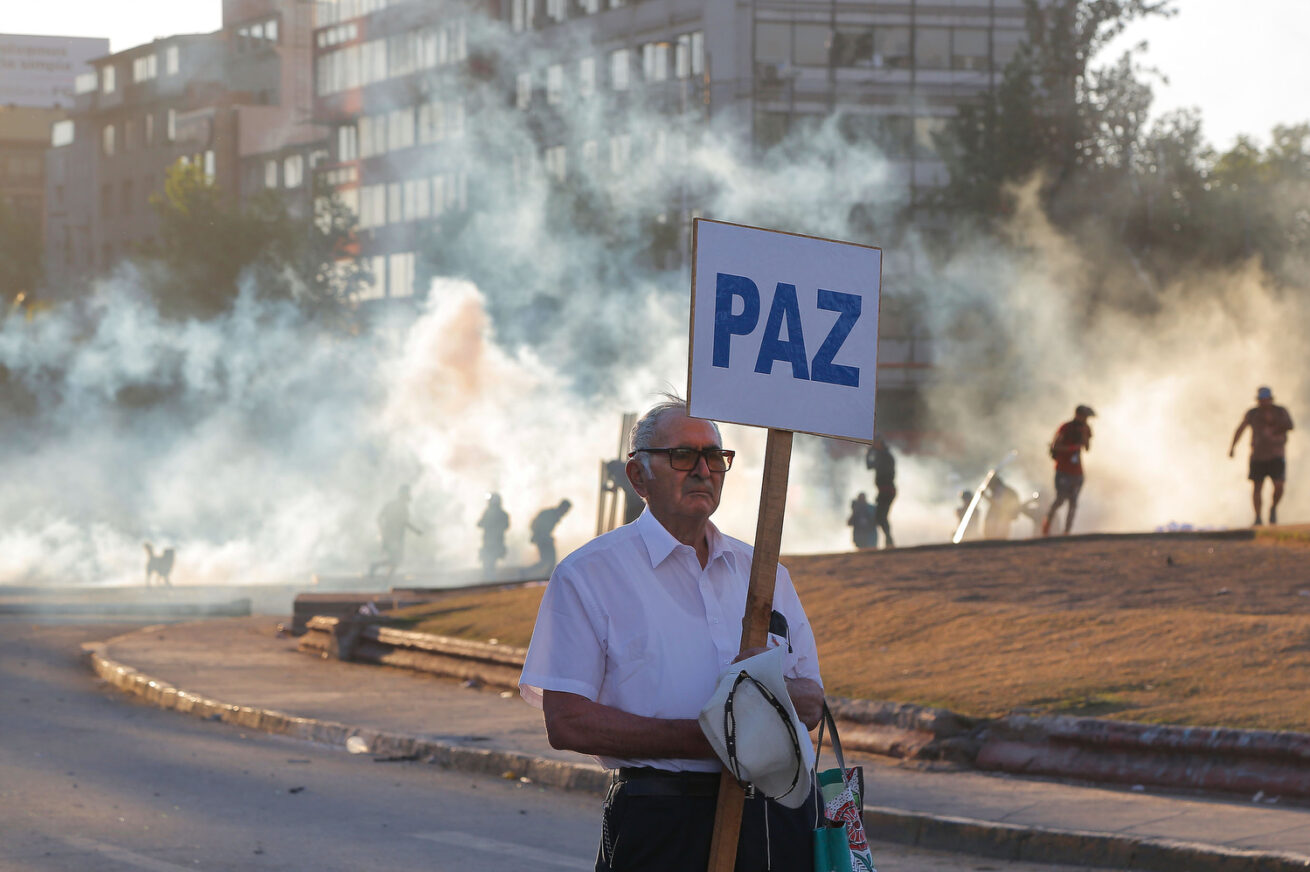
(575, 723)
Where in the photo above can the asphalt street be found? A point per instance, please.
(90, 779)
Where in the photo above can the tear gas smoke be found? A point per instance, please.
(262, 448)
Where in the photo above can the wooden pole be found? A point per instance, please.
(755, 626)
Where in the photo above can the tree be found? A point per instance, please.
(207, 245)
(1052, 112)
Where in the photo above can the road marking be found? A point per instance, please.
(122, 855)
(508, 849)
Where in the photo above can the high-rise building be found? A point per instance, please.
(392, 82)
(231, 101)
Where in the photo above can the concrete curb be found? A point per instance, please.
(936, 832)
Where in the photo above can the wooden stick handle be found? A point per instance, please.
(755, 626)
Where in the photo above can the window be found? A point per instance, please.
(590, 153)
(145, 68)
(926, 129)
(932, 48)
(620, 152)
(810, 46)
(891, 47)
(372, 206)
(107, 140)
(554, 84)
(172, 125)
(400, 274)
(209, 165)
(347, 142)
(400, 129)
(968, 49)
(107, 77)
(655, 61)
(772, 43)
(620, 69)
(555, 10)
(150, 129)
(395, 203)
(520, 15)
(1005, 43)
(171, 61)
(556, 159)
(61, 133)
(270, 174)
(293, 171)
(85, 83)
(587, 77)
(129, 135)
(523, 90)
(589, 7)
(270, 30)
(853, 47)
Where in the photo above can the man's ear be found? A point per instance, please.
(636, 476)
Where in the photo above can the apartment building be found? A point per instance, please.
(231, 101)
(392, 82)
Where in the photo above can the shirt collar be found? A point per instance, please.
(660, 543)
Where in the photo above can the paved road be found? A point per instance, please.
(91, 780)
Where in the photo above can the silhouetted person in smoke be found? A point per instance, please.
(393, 521)
(616, 476)
(863, 523)
(1269, 425)
(879, 458)
(543, 533)
(1002, 509)
(971, 531)
(494, 522)
(1071, 440)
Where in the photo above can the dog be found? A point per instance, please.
(159, 564)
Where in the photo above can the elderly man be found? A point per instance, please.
(1269, 425)
(634, 630)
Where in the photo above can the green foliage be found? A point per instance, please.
(208, 246)
(1157, 190)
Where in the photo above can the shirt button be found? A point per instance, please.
(714, 620)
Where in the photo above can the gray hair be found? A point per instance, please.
(648, 425)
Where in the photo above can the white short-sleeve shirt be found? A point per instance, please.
(631, 620)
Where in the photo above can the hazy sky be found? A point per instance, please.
(1246, 69)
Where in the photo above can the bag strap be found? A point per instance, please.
(831, 723)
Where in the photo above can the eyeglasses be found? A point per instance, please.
(686, 459)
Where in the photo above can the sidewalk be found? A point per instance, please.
(239, 670)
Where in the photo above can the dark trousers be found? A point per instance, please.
(642, 833)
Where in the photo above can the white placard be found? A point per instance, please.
(784, 330)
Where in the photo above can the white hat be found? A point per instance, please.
(752, 725)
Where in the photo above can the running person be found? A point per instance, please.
(1071, 440)
(1269, 427)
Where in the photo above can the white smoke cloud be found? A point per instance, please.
(262, 448)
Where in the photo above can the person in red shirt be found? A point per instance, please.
(1071, 440)
(1269, 427)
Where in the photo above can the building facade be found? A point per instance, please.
(228, 101)
(398, 83)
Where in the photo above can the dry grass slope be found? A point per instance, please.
(1158, 629)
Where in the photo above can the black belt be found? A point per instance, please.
(662, 782)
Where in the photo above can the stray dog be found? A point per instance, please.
(159, 564)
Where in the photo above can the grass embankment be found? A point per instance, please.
(1150, 629)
